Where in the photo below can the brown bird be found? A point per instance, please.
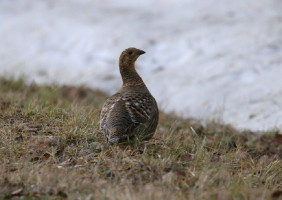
(132, 111)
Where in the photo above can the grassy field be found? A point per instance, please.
(51, 148)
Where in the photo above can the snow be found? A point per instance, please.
(215, 59)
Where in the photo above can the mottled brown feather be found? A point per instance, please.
(132, 111)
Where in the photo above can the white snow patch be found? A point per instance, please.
(205, 59)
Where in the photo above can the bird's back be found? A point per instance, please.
(127, 114)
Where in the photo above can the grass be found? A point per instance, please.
(51, 148)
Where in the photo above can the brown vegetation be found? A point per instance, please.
(51, 148)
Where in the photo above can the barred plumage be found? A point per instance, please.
(132, 111)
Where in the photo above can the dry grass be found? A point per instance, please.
(51, 148)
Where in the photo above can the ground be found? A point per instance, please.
(51, 148)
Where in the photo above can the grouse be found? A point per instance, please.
(132, 111)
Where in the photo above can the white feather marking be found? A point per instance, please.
(146, 114)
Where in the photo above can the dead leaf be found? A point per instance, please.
(276, 194)
(45, 156)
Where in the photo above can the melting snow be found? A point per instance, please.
(215, 59)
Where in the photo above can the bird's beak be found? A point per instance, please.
(141, 52)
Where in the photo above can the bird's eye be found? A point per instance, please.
(130, 53)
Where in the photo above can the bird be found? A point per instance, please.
(132, 112)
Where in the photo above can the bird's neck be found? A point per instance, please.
(129, 76)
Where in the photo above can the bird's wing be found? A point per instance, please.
(142, 108)
(107, 108)
(131, 111)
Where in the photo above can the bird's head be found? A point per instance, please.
(129, 56)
